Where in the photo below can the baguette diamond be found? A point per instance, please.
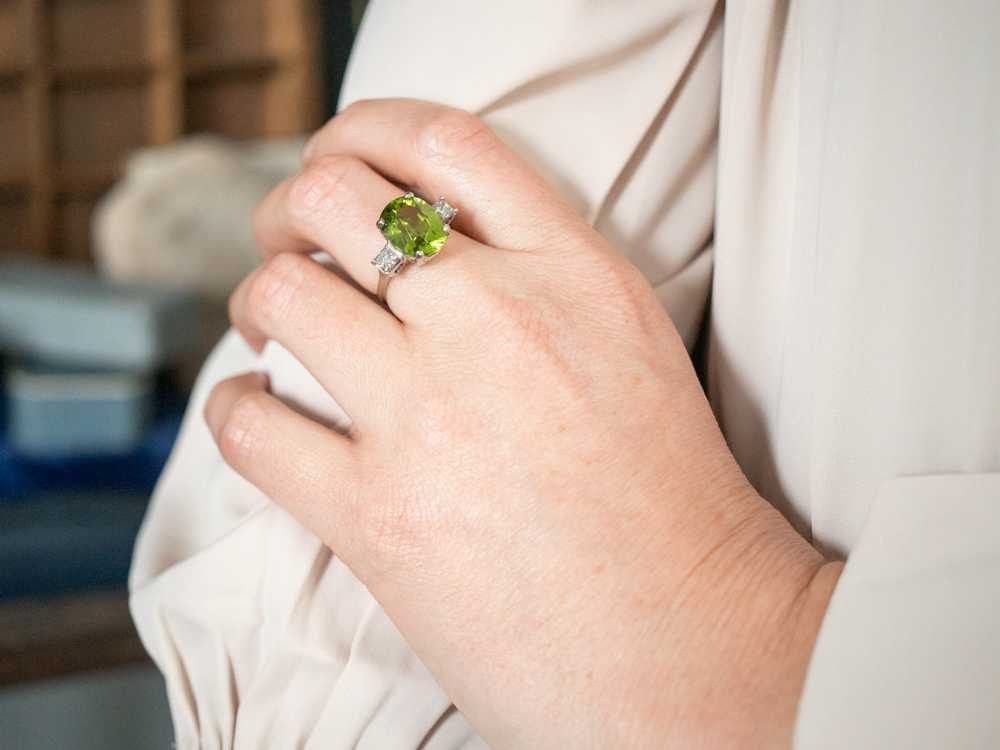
(389, 260)
(445, 210)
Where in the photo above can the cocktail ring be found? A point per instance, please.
(414, 231)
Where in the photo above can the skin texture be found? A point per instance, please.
(534, 486)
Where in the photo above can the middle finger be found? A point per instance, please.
(348, 343)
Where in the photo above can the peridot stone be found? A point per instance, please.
(412, 226)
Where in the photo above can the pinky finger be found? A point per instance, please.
(297, 462)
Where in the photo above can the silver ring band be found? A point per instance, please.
(383, 286)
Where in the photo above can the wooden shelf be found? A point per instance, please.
(197, 65)
(76, 179)
(76, 102)
(202, 65)
(101, 75)
(47, 637)
(14, 184)
(10, 76)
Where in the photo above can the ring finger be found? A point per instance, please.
(332, 205)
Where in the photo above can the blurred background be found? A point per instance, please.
(135, 138)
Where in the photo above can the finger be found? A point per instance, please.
(333, 204)
(310, 470)
(443, 151)
(349, 343)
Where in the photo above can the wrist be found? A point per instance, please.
(787, 586)
(806, 616)
(728, 657)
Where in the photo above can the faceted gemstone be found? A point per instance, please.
(445, 210)
(388, 260)
(413, 226)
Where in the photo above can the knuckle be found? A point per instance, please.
(616, 280)
(276, 285)
(523, 325)
(442, 422)
(321, 186)
(455, 135)
(396, 532)
(242, 431)
(397, 526)
(351, 110)
(391, 533)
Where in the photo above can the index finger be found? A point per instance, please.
(449, 152)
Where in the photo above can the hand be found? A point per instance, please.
(534, 486)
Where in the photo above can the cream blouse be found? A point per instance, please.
(821, 179)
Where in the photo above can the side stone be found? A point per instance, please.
(445, 210)
(389, 260)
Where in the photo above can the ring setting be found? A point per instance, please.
(415, 231)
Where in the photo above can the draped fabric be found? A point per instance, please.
(819, 181)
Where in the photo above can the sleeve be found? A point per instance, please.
(907, 654)
(265, 639)
(617, 104)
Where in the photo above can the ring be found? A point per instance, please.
(414, 231)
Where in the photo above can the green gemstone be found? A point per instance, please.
(412, 226)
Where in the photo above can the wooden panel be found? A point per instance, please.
(224, 26)
(12, 48)
(13, 134)
(51, 637)
(84, 82)
(37, 90)
(96, 32)
(99, 125)
(166, 90)
(291, 96)
(72, 227)
(14, 219)
(226, 104)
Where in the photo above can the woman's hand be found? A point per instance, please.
(534, 486)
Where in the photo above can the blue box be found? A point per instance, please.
(70, 316)
(58, 412)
